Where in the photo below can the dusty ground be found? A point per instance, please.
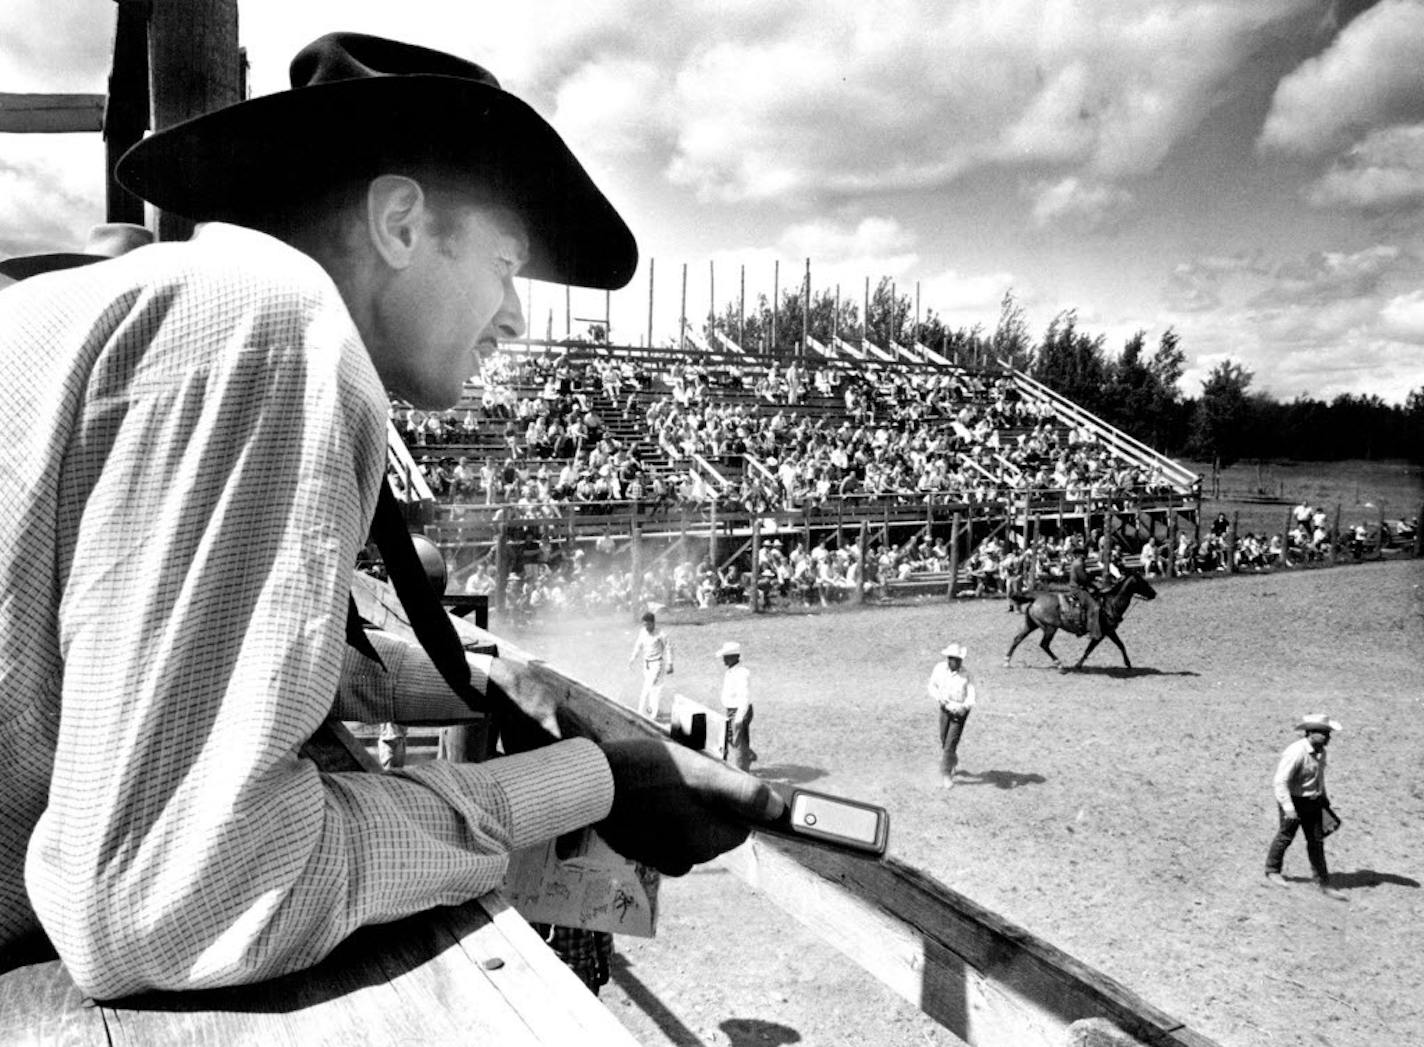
(1123, 817)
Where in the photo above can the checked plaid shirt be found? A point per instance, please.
(191, 442)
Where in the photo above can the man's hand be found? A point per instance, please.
(1288, 813)
(510, 681)
(674, 808)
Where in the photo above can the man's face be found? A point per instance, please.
(455, 302)
(953, 663)
(1318, 739)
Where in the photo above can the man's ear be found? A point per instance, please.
(396, 215)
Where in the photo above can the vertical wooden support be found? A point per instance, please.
(712, 538)
(1231, 540)
(1172, 542)
(1419, 533)
(682, 315)
(635, 558)
(864, 546)
(126, 116)
(1379, 535)
(501, 564)
(196, 68)
(1334, 537)
(953, 554)
(754, 575)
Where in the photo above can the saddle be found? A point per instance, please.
(1073, 612)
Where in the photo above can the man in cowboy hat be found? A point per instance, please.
(953, 690)
(737, 703)
(1302, 803)
(193, 441)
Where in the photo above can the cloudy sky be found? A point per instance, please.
(1249, 172)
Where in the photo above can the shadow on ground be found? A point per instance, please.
(1122, 672)
(1370, 878)
(753, 1032)
(999, 779)
(790, 773)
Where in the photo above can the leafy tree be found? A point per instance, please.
(891, 316)
(1221, 420)
(1071, 362)
(1010, 341)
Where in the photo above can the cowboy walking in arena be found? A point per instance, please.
(953, 690)
(1302, 802)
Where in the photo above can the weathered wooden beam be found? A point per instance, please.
(47, 114)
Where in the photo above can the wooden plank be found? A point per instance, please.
(48, 114)
(984, 979)
(39, 1004)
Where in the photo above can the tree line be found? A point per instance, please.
(1137, 390)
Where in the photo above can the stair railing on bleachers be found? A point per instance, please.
(1126, 446)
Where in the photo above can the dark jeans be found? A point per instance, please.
(1310, 812)
(737, 747)
(951, 726)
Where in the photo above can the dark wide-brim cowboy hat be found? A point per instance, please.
(107, 240)
(360, 106)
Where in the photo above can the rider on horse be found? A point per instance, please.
(1081, 586)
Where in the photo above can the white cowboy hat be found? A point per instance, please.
(954, 650)
(730, 647)
(1317, 722)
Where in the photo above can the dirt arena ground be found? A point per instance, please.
(1124, 817)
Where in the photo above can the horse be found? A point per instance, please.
(1044, 611)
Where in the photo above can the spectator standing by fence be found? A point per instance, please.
(653, 650)
(737, 703)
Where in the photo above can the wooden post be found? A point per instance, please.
(635, 550)
(126, 116)
(712, 537)
(806, 310)
(196, 68)
(1419, 533)
(864, 546)
(753, 576)
(742, 310)
(1334, 536)
(501, 564)
(1230, 543)
(650, 302)
(953, 555)
(1171, 540)
(1379, 537)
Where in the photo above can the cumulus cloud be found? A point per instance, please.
(1368, 77)
(1331, 276)
(1077, 203)
(785, 102)
(1402, 318)
(1195, 286)
(1382, 173)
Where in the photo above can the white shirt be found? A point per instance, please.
(947, 687)
(191, 441)
(653, 647)
(1301, 772)
(736, 688)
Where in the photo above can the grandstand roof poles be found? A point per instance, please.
(865, 320)
(775, 301)
(806, 309)
(742, 310)
(711, 299)
(682, 315)
(650, 302)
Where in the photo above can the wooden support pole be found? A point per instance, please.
(682, 314)
(864, 547)
(1379, 535)
(635, 558)
(1334, 537)
(196, 68)
(1419, 533)
(1171, 541)
(1231, 540)
(501, 564)
(754, 575)
(953, 555)
(712, 538)
(126, 117)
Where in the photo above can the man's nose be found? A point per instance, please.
(509, 321)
